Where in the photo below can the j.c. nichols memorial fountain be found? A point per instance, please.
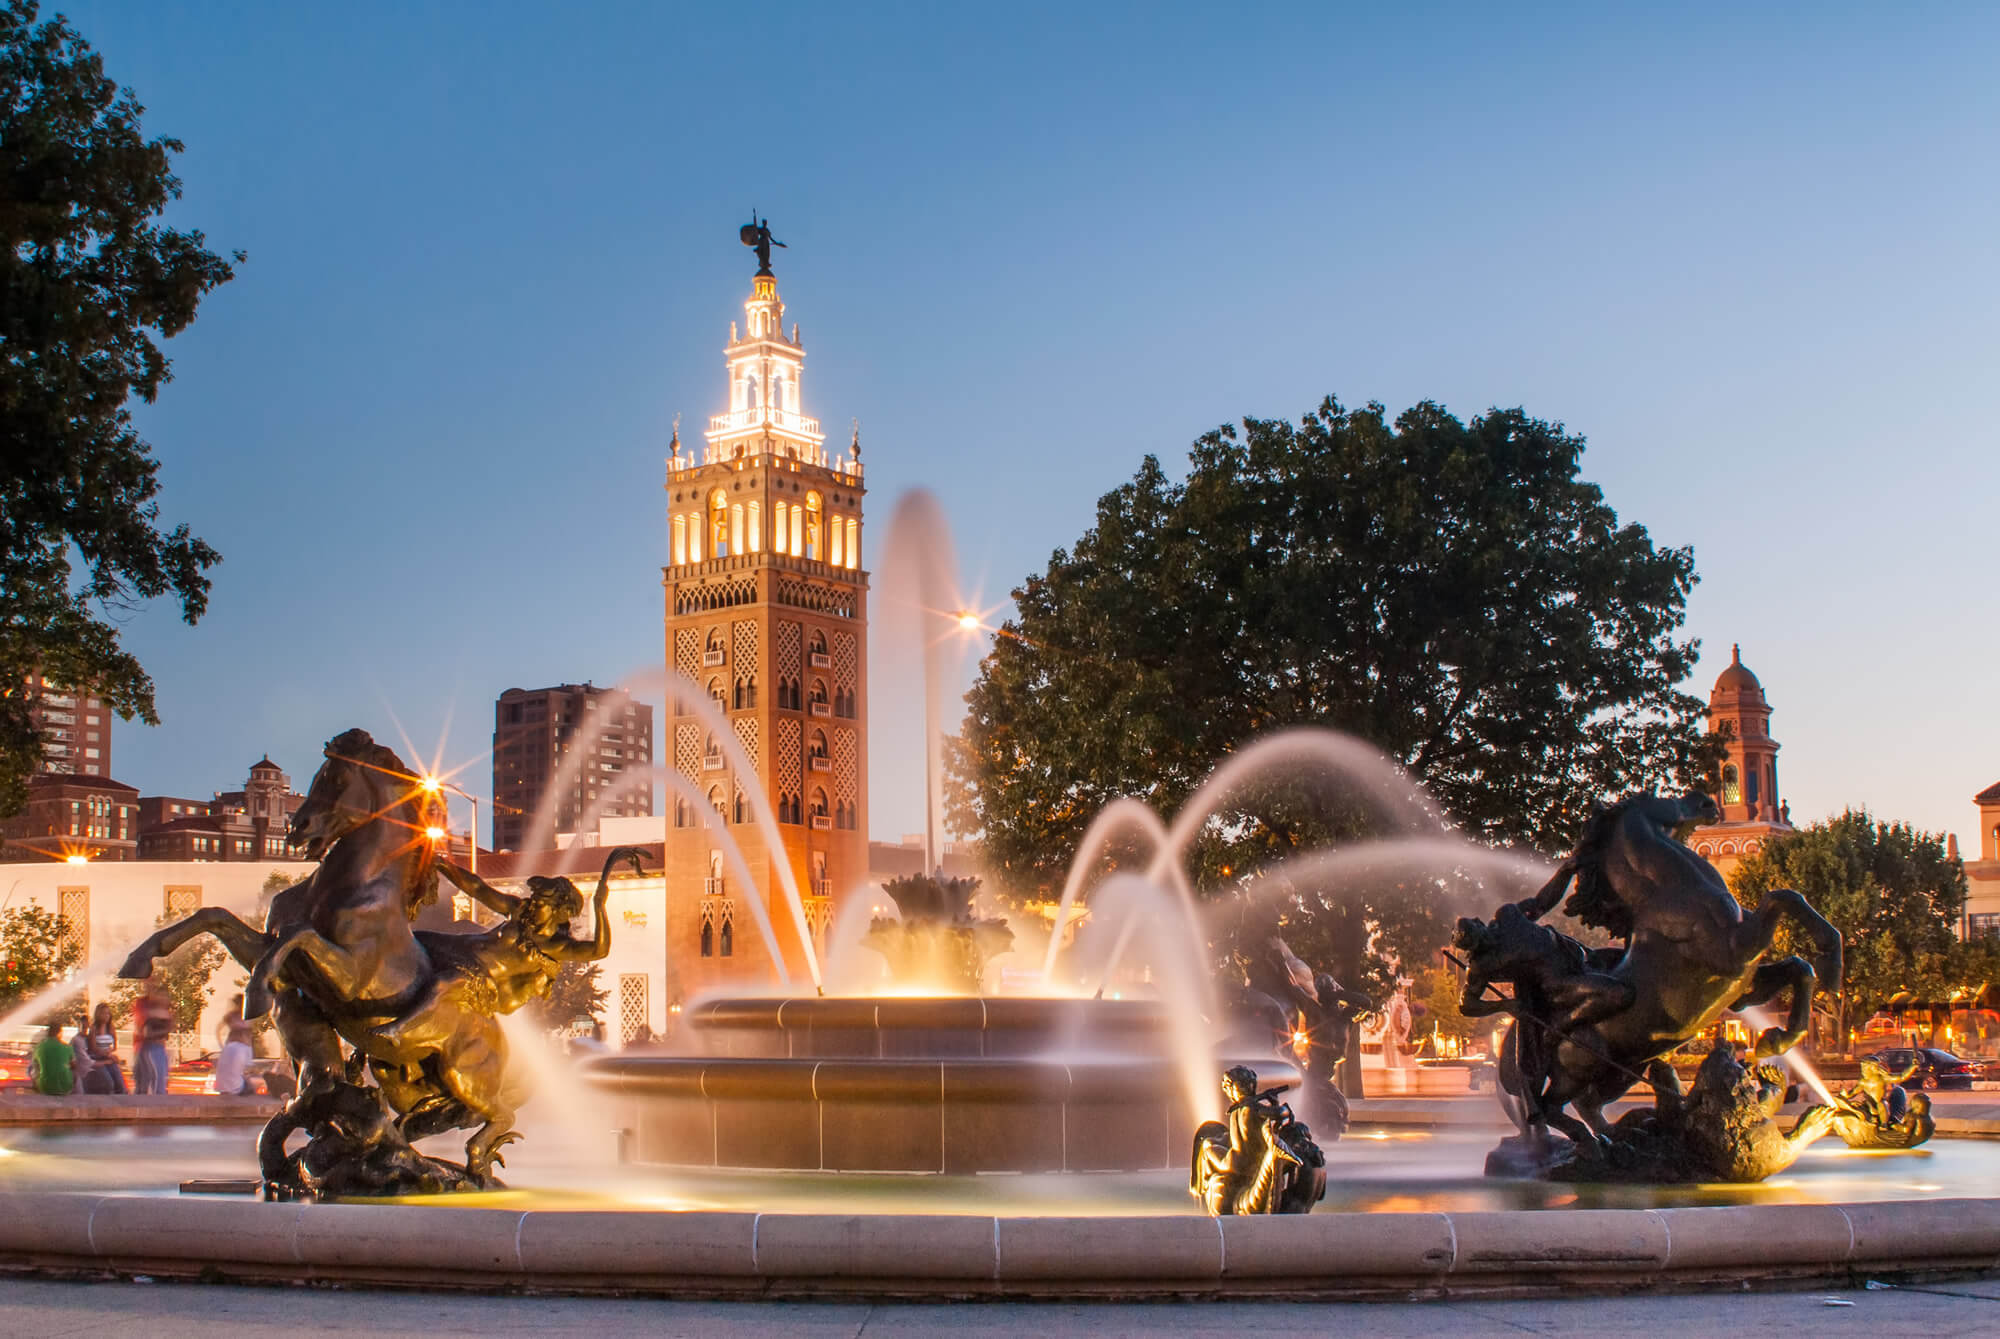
(934, 1136)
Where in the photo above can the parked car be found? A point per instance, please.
(14, 1067)
(1935, 1068)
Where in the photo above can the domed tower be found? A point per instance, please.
(1752, 812)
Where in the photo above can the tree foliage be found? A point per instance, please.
(1453, 593)
(33, 953)
(92, 281)
(1894, 894)
(572, 995)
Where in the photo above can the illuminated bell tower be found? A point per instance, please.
(1747, 796)
(766, 611)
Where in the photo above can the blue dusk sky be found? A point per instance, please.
(1747, 251)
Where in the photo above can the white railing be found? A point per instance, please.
(821, 709)
(823, 888)
(821, 822)
(710, 659)
(819, 660)
(711, 887)
(752, 418)
(820, 764)
(711, 762)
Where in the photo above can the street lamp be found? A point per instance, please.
(434, 785)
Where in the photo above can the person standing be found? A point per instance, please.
(49, 1064)
(152, 1024)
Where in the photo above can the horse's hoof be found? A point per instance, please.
(257, 1001)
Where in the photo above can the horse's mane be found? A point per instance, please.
(420, 888)
(1593, 900)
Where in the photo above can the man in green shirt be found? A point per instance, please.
(49, 1064)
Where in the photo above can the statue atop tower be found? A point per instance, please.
(757, 233)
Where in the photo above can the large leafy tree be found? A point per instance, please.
(1453, 593)
(1894, 893)
(91, 281)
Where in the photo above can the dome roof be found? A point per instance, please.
(1737, 678)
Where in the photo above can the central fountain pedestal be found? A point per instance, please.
(943, 1085)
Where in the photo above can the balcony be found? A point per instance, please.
(820, 764)
(710, 659)
(711, 887)
(821, 709)
(823, 888)
(819, 660)
(711, 762)
(822, 822)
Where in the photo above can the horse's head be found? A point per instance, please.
(359, 783)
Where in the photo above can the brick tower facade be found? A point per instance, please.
(1752, 813)
(766, 615)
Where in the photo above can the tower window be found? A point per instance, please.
(1732, 785)
(781, 537)
(718, 525)
(812, 541)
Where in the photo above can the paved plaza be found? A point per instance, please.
(52, 1310)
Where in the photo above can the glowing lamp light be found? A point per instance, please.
(78, 859)
(968, 621)
(430, 783)
(435, 834)
(1300, 1039)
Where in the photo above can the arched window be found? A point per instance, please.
(819, 753)
(728, 935)
(742, 808)
(781, 537)
(1750, 785)
(836, 541)
(798, 531)
(819, 809)
(820, 704)
(853, 542)
(816, 644)
(681, 814)
(736, 529)
(750, 390)
(718, 524)
(694, 536)
(715, 692)
(1732, 786)
(717, 803)
(707, 926)
(715, 873)
(756, 527)
(680, 539)
(812, 548)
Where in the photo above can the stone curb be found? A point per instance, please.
(711, 1254)
(32, 1109)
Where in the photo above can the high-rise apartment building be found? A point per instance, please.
(569, 747)
(75, 726)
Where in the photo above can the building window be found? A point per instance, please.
(680, 539)
(633, 1007)
(73, 910)
(853, 542)
(756, 527)
(812, 547)
(1732, 786)
(718, 524)
(1983, 923)
(182, 902)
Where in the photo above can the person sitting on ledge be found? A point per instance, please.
(49, 1064)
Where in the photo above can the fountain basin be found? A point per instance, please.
(946, 1085)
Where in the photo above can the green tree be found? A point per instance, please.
(34, 953)
(1454, 593)
(1894, 894)
(1438, 989)
(92, 281)
(184, 974)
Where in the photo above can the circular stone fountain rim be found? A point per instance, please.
(1532, 1252)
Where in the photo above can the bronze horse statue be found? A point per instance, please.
(1690, 951)
(339, 962)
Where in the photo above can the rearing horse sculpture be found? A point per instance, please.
(1690, 953)
(337, 957)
